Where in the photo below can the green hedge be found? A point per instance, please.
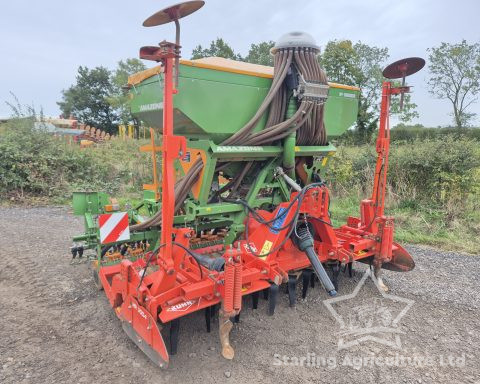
(34, 163)
(434, 171)
(404, 134)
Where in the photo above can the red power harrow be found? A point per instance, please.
(169, 282)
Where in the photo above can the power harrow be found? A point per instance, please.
(240, 205)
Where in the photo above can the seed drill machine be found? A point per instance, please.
(240, 204)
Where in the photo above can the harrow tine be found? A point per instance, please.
(236, 319)
(306, 278)
(312, 280)
(255, 299)
(350, 269)
(272, 298)
(265, 294)
(174, 329)
(208, 318)
(292, 289)
(335, 273)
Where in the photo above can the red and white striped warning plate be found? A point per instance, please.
(113, 227)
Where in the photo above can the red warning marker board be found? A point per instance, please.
(113, 227)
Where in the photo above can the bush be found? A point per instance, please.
(34, 163)
(440, 172)
(409, 133)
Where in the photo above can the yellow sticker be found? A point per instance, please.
(266, 247)
(324, 161)
(297, 148)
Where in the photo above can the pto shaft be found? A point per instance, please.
(305, 244)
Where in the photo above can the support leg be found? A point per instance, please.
(174, 329)
(272, 298)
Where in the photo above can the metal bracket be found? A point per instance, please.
(312, 91)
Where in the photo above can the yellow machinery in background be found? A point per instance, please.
(128, 131)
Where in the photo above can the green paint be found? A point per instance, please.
(214, 104)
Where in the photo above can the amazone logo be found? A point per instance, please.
(151, 107)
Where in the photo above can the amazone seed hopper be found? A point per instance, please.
(218, 96)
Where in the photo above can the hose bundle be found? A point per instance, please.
(307, 121)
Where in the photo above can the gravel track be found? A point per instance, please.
(55, 327)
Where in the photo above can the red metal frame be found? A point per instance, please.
(180, 286)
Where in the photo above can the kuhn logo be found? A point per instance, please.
(139, 310)
(249, 248)
(182, 307)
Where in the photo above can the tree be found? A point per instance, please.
(87, 100)
(455, 75)
(118, 99)
(260, 53)
(217, 48)
(361, 65)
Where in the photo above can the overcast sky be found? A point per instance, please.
(42, 43)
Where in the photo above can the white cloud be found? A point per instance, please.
(44, 42)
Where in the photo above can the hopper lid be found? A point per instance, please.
(295, 39)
